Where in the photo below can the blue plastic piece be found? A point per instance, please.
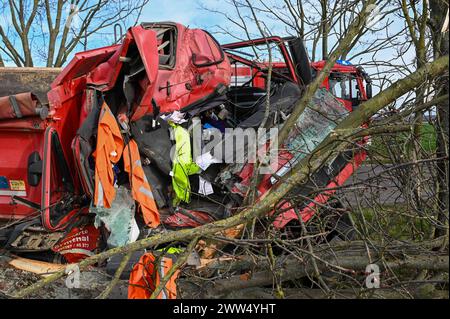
(343, 62)
(4, 184)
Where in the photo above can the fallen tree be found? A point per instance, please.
(333, 144)
(349, 258)
(421, 292)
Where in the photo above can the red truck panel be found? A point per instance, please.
(14, 170)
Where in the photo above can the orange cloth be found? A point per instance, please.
(146, 276)
(140, 188)
(109, 150)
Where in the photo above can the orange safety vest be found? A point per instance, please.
(140, 188)
(146, 276)
(109, 151)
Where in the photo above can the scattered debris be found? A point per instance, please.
(117, 157)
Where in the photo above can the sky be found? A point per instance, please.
(187, 12)
(191, 13)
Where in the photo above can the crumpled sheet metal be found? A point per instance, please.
(317, 121)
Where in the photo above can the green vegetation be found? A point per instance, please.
(391, 221)
(379, 149)
(428, 138)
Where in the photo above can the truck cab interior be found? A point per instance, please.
(289, 73)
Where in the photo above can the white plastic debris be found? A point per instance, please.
(205, 160)
(175, 117)
(204, 187)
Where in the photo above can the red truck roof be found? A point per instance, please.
(338, 67)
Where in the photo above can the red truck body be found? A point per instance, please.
(355, 88)
(158, 68)
(356, 80)
(166, 83)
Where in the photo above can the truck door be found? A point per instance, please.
(34, 175)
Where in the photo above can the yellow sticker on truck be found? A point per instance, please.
(13, 187)
(17, 185)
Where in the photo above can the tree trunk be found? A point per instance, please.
(325, 28)
(441, 47)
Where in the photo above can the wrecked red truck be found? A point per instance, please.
(132, 106)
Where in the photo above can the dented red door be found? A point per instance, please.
(147, 45)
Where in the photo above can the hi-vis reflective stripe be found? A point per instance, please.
(163, 274)
(99, 202)
(146, 192)
(169, 290)
(143, 189)
(140, 188)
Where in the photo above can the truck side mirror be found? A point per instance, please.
(34, 169)
(369, 90)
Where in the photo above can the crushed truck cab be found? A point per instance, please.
(112, 154)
